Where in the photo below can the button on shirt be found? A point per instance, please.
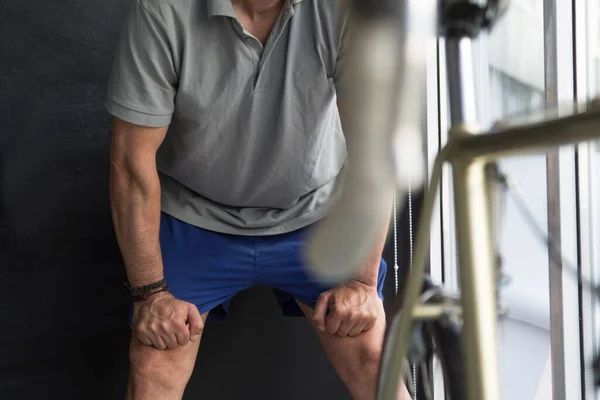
(254, 144)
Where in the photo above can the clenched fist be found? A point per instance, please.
(353, 308)
(165, 322)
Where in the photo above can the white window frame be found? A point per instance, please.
(588, 160)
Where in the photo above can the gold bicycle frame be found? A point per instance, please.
(472, 155)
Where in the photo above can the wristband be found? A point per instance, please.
(140, 293)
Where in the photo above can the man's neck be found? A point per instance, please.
(256, 7)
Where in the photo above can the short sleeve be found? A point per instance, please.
(340, 75)
(143, 79)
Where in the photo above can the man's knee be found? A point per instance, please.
(362, 364)
(168, 369)
(151, 368)
(369, 356)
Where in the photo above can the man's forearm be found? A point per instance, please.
(369, 274)
(135, 205)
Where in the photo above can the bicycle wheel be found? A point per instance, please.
(443, 343)
(444, 346)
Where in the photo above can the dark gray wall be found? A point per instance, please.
(63, 307)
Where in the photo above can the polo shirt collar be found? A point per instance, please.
(225, 8)
(220, 7)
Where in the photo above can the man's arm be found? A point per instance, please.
(142, 88)
(352, 308)
(135, 199)
(161, 320)
(369, 273)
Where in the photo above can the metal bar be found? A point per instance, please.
(591, 271)
(461, 85)
(562, 216)
(586, 207)
(473, 201)
(423, 312)
(449, 267)
(569, 318)
(436, 109)
(557, 337)
(474, 233)
(588, 300)
(532, 138)
(433, 146)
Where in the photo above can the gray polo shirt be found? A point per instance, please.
(254, 144)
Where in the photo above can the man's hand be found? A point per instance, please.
(165, 322)
(353, 308)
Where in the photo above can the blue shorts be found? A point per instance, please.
(207, 268)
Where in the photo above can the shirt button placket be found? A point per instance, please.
(251, 42)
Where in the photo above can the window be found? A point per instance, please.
(516, 85)
(594, 38)
(588, 86)
(517, 67)
(530, 61)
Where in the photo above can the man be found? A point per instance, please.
(226, 149)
